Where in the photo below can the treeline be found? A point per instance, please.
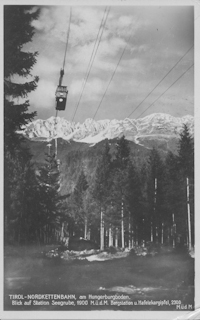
(127, 205)
(123, 205)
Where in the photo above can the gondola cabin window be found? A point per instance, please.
(61, 97)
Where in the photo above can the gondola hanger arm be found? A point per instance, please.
(61, 77)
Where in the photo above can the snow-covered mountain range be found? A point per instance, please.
(154, 126)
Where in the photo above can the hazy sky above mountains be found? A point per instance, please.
(160, 36)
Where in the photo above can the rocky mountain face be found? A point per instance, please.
(156, 126)
(80, 145)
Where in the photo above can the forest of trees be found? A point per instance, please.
(127, 205)
(124, 204)
(18, 169)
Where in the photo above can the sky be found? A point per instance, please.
(138, 48)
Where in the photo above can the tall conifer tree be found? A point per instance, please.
(53, 206)
(155, 194)
(77, 205)
(17, 64)
(135, 206)
(186, 167)
(120, 176)
(101, 189)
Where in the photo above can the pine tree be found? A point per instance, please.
(78, 204)
(174, 193)
(14, 188)
(53, 206)
(122, 156)
(30, 207)
(135, 207)
(17, 63)
(155, 195)
(101, 189)
(186, 166)
(186, 152)
(120, 186)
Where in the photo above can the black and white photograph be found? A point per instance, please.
(99, 205)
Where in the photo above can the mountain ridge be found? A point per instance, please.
(154, 126)
(80, 145)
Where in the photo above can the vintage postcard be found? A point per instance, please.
(100, 201)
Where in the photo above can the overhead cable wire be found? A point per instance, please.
(113, 73)
(67, 40)
(160, 81)
(91, 57)
(112, 77)
(166, 90)
(95, 44)
(92, 60)
(61, 75)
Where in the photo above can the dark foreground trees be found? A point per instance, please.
(123, 204)
(156, 203)
(186, 169)
(50, 214)
(17, 158)
(34, 210)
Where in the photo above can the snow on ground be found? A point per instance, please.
(98, 255)
(89, 255)
(102, 256)
(112, 253)
(191, 253)
(129, 289)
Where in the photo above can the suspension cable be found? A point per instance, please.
(92, 60)
(166, 90)
(112, 75)
(61, 75)
(160, 81)
(67, 40)
(115, 70)
(93, 51)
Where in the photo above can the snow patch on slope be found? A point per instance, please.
(155, 125)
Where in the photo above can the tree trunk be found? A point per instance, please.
(110, 242)
(129, 232)
(101, 231)
(156, 234)
(136, 236)
(168, 236)
(132, 238)
(89, 234)
(154, 209)
(162, 234)
(188, 211)
(151, 231)
(122, 224)
(116, 238)
(85, 229)
(56, 147)
(173, 231)
(62, 231)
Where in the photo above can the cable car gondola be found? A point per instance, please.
(61, 97)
